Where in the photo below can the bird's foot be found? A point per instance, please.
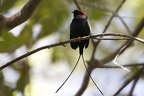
(79, 39)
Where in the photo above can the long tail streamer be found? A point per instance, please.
(91, 77)
(69, 74)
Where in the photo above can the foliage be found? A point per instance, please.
(52, 20)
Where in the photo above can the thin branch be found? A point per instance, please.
(77, 5)
(129, 80)
(99, 38)
(92, 5)
(110, 11)
(110, 57)
(127, 65)
(125, 25)
(24, 14)
(65, 42)
(127, 44)
(134, 34)
(114, 34)
(115, 12)
(134, 84)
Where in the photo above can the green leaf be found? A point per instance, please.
(25, 37)
(6, 5)
(51, 16)
(9, 43)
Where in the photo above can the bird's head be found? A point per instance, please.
(77, 12)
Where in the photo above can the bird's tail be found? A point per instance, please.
(81, 50)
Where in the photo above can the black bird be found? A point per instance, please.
(79, 27)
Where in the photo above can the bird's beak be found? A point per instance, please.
(72, 12)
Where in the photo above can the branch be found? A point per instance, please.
(77, 5)
(110, 11)
(68, 41)
(127, 65)
(113, 15)
(24, 14)
(111, 56)
(135, 33)
(133, 86)
(136, 75)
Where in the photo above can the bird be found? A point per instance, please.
(79, 27)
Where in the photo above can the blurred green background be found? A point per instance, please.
(43, 72)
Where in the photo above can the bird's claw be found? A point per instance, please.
(79, 39)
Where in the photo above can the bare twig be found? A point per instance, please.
(110, 11)
(134, 34)
(134, 84)
(136, 74)
(98, 38)
(77, 5)
(110, 57)
(139, 28)
(127, 65)
(125, 25)
(68, 41)
(115, 12)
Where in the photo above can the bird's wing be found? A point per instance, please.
(74, 45)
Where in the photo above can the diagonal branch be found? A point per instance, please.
(77, 5)
(110, 11)
(111, 18)
(135, 75)
(110, 57)
(113, 15)
(18, 18)
(127, 65)
(134, 85)
(68, 41)
(135, 33)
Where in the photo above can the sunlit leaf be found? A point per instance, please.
(6, 5)
(51, 16)
(25, 37)
(9, 42)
